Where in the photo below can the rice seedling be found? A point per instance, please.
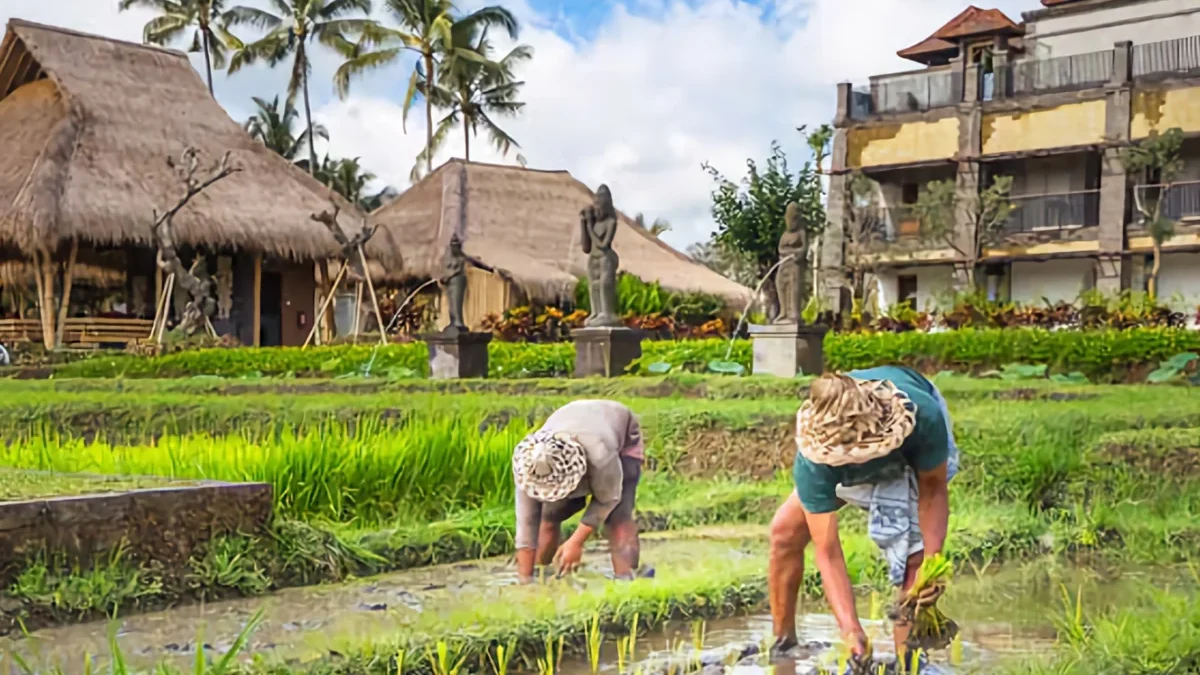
(552, 661)
(500, 660)
(931, 629)
(594, 638)
(443, 661)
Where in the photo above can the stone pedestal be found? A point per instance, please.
(787, 350)
(458, 355)
(605, 351)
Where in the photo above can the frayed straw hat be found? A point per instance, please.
(548, 467)
(851, 421)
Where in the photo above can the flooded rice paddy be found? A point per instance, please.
(1004, 613)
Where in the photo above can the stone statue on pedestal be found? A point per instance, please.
(454, 282)
(598, 223)
(789, 279)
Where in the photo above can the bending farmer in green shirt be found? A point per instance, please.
(879, 439)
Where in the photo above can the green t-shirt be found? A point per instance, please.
(926, 448)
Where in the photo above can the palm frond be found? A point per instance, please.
(499, 137)
(439, 139)
(495, 16)
(359, 65)
(162, 30)
(164, 6)
(409, 96)
(250, 16)
(338, 8)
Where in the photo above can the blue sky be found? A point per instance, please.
(636, 94)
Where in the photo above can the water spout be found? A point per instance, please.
(757, 289)
(371, 361)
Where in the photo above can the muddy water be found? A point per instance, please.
(306, 623)
(1002, 613)
(1005, 616)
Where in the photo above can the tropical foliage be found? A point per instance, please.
(176, 17)
(273, 125)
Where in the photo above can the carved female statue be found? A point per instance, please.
(454, 281)
(598, 223)
(789, 280)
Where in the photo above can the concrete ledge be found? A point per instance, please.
(166, 525)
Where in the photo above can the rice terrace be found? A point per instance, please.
(921, 400)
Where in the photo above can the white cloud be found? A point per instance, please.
(656, 90)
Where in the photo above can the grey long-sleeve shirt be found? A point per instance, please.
(607, 430)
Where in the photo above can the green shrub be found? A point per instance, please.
(1104, 355)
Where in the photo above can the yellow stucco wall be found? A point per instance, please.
(1064, 126)
(1162, 110)
(884, 144)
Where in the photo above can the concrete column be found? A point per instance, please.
(1114, 183)
(830, 277)
(1122, 63)
(972, 89)
(966, 198)
(1000, 68)
(845, 92)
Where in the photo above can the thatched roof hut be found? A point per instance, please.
(525, 223)
(86, 126)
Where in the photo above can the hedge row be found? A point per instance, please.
(1108, 355)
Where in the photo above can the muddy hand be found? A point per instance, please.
(568, 558)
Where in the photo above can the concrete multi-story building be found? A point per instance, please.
(1050, 101)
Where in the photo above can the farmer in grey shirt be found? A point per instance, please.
(585, 449)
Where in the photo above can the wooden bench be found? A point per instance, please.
(20, 330)
(93, 332)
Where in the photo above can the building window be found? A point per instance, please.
(909, 193)
(995, 275)
(906, 290)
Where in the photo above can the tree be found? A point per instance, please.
(1157, 161)
(749, 215)
(273, 127)
(474, 91)
(176, 17)
(657, 228)
(288, 36)
(729, 263)
(347, 178)
(939, 210)
(428, 28)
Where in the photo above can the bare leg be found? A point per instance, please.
(900, 631)
(625, 547)
(785, 569)
(548, 537)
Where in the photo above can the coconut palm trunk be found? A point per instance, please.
(302, 61)
(428, 113)
(467, 138)
(207, 58)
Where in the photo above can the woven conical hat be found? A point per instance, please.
(869, 421)
(548, 467)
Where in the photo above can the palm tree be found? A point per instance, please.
(658, 227)
(428, 28)
(288, 35)
(272, 125)
(347, 178)
(176, 17)
(474, 91)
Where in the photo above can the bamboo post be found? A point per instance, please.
(374, 298)
(256, 320)
(358, 290)
(46, 301)
(325, 305)
(41, 282)
(65, 304)
(159, 329)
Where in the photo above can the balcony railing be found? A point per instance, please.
(1169, 56)
(1050, 212)
(891, 224)
(1182, 200)
(915, 92)
(1065, 73)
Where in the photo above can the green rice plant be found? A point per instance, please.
(230, 563)
(931, 629)
(110, 583)
(594, 638)
(500, 661)
(442, 661)
(552, 661)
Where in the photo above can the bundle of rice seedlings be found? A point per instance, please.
(931, 629)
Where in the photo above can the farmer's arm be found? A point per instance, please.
(816, 485)
(831, 563)
(933, 508)
(933, 502)
(529, 517)
(605, 480)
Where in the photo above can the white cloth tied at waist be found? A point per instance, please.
(892, 521)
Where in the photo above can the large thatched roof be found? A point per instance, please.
(86, 126)
(525, 223)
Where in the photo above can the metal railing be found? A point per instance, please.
(915, 92)
(1167, 56)
(1182, 200)
(1065, 73)
(1047, 212)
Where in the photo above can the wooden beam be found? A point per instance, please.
(7, 65)
(64, 305)
(257, 316)
(14, 76)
